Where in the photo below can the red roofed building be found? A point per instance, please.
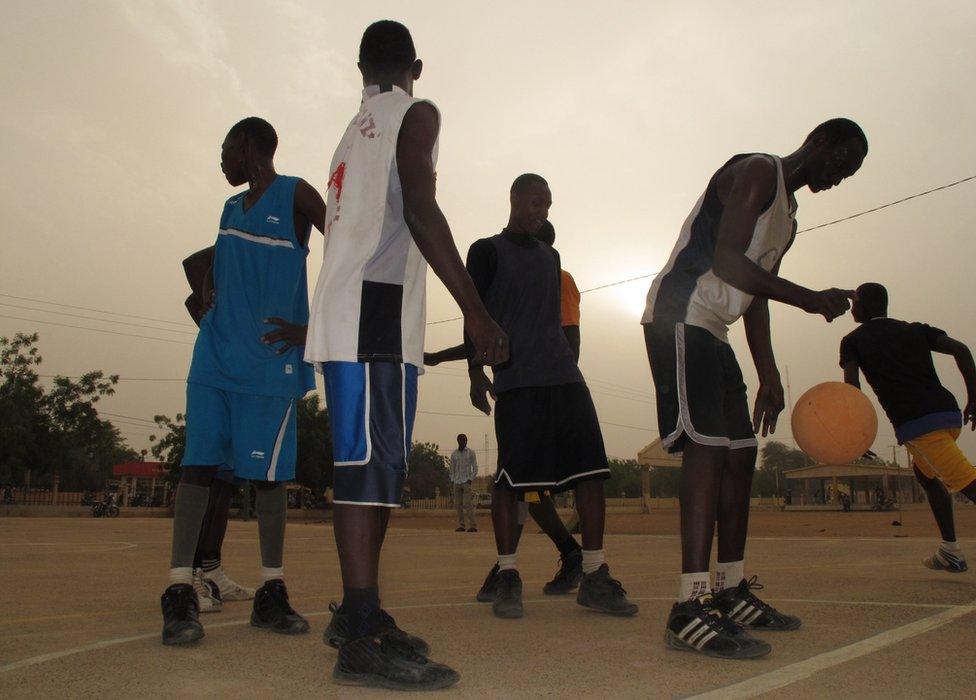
(141, 477)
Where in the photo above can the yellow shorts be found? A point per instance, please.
(937, 455)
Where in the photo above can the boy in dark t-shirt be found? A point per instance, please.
(896, 358)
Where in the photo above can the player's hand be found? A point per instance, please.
(769, 404)
(489, 340)
(430, 359)
(481, 389)
(969, 414)
(292, 335)
(829, 303)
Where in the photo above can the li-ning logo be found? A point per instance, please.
(273, 220)
(257, 454)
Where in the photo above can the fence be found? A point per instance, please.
(47, 497)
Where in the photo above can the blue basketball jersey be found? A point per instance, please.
(259, 273)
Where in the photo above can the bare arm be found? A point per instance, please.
(430, 230)
(852, 374)
(753, 183)
(964, 361)
(446, 355)
(769, 398)
(309, 207)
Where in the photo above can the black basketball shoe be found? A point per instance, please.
(569, 574)
(180, 610)
(384, 662)
(508, 595)
(273, 611)
(600, 591)
(698, 625)
(742, 606)
(338, 633)
(489, 587)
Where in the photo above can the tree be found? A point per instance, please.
(427, 471)
(57, 432)
(776, 458)
(625, 479)
(170, 447)
(315, 467)
(665, 482)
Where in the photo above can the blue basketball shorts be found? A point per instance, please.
(371, 408)
(252, 436)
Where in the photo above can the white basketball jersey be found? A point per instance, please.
(688, 291)
(370, 299)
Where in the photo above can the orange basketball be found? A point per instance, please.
(834, 423)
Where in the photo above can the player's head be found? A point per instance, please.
(871, 302)
(835, 151)
(530, 198)
(387, 55)
(547, 233)
(249, 142)
(462, 441)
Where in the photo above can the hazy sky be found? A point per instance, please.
(113, 114)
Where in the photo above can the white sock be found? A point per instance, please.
(728, 574)
(593, 559)
(506, 562)
(951, 546)
(181, 574)
(269, 574)
(693, 585)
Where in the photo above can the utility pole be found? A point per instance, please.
(486, 452)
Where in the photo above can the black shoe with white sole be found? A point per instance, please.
(697, 625)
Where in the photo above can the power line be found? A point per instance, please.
(95, 318)
(101, 311)
(812, 228)
(119, 415)
(121, 379)
(96, 330)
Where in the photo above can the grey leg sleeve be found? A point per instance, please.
(191, 506)
(270, 505)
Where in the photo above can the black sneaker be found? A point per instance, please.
(489, 587)
(272, 610)
(472, 529)
(569, 574)
(742, 606)
(600, 591)
(180, 610)
(337, 633)
(459, 528)
(383, 662)
(508, 595)
(698, 625)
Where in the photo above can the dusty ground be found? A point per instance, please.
(79, 613)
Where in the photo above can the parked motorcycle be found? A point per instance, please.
(104, 509)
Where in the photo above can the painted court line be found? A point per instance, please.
(95, 646)
(791, 673)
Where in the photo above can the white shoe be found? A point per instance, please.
(206, 593)
(227, 588)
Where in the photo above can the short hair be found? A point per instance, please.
(547, 233)
(526, 180)
(259, 132)
(462, 435)
(838, 131)
(874, 298)
(387, 47)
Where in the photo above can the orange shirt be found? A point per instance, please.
(569, 300)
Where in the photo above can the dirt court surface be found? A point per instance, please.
(79, 613)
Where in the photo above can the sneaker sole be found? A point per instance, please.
(935, 565)
(184, 638)
(673, 642)
(213, 609)
(790, 628)
(234, 597)
(298, 629)
(372, 680)
(629, 612)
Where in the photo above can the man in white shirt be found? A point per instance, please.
(464, 468)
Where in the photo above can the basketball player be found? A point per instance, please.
(725, 266)
(896, 358)
(367, 337)
(246, 373)
(548, 433)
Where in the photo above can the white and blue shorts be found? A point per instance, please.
(371, 409)
(252, 436)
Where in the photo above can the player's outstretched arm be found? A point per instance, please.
(964, 361)
(753, 183)
(769, 398)
(430, 231)
(446, 355)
